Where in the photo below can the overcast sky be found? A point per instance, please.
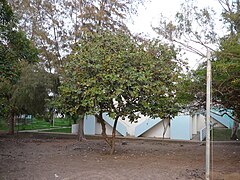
(151, 12)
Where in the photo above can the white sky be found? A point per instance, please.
(151, 12)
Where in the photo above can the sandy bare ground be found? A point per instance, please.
(29, 156)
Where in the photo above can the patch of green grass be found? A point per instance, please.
(221, 134)
(32, 124)
(42, 124)
(62, 130)
(36, 123)
(63, 122)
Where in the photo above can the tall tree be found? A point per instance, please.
(194, 29)
(55, 26)
(227, 65)
(14, 48)
(44, 23)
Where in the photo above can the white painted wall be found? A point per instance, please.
(98, 130)
(200, 122)
(131, 126)
(194, 124)
(197, 122)
(157, 131)
(75, 128)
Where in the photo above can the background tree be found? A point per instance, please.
(194, 29)
(33, 91)
(227, 65)
(14, 48)
(56, 26)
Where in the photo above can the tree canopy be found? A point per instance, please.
(55, 26)
(226, 81)
(33, 91)
(115, 73)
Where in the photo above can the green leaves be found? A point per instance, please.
(15, 50)
(227, 73)
(121, 76)
(225, 68)
(31, 93)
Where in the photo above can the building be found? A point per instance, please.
(183, 127)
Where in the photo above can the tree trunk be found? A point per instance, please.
(103, 125)
(235, 130)
(113, 136)
(11, 123)
(51, 116)
(165, 127)
(81, 136)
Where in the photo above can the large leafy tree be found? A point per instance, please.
(114, 73)
(226, 66)
(228, 59)
(14, 48)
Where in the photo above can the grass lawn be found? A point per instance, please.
(36, 124)
(222, 134)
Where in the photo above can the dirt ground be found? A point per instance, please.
(39, 157)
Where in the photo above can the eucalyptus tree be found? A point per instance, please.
(43, 21)
(193, 28)
(113, 72)
(55, 26)
(15, 48)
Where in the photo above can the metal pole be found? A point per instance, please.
(208, 101)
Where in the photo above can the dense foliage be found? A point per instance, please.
(116, 73)
(15, 48)
(113, 73)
